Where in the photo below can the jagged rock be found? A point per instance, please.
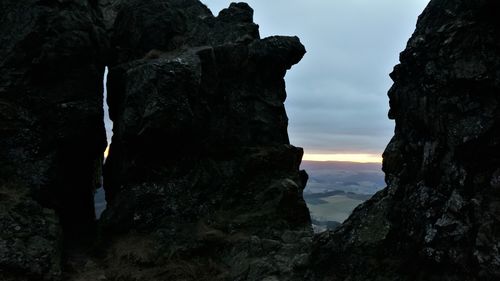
(51, 130)
(139, 28)
(438, 218)
(201, 177)
(202, 182)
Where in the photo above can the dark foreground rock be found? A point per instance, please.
(439, 217)
(51, 131)
(201, 181)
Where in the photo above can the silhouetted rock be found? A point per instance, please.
(438, 219)
(201, 177)
(51, 131)
(201, 181)
(160, 25)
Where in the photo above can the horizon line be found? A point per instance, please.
(343, 157)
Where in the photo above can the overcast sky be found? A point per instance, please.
(337, 95)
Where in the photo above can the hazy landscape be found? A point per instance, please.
(334, 189)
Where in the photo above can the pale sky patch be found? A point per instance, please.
(337, 95)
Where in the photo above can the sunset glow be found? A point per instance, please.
(358, 158)
(106, 152)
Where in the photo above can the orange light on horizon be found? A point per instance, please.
(324, 157)
(341, 157)
(106, 152)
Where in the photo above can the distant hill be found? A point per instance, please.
(340, 165)
(334, 189)
(359, 178)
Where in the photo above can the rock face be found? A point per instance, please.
(438, 218)
(201, 181)
(51, 131)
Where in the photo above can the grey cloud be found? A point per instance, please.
(337, 95)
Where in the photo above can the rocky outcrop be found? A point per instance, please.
(51, 131)
(438, 218)
(201, 181)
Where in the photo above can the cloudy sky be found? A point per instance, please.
(337, 95)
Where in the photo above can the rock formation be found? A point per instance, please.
(200, 164)
(438, 218)
(201, 181)
(51, 131)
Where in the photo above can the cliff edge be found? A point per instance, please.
(438, 218)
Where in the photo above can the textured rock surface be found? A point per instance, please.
(202, 182)
(51, 131)
(438, 219)
(201, 179)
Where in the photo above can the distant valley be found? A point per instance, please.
(334, 189)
